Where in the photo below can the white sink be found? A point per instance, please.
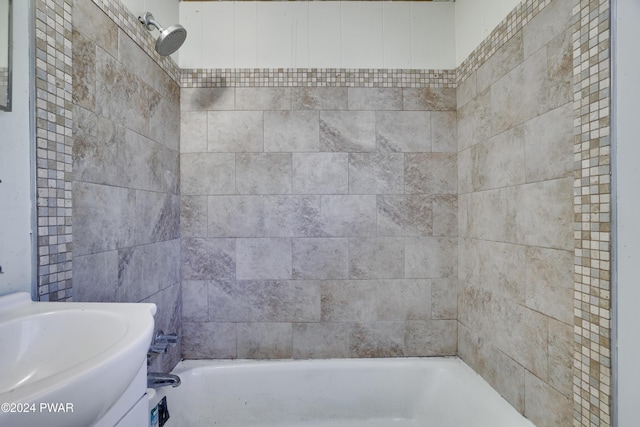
(66, 364)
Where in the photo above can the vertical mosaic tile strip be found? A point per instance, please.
(592, 204)
(4, 76)
(317, 77)
(129, 23)
(53, 148)
(517, 18)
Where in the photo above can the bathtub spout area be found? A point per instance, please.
(157, 380)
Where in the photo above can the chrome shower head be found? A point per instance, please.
(170, 39)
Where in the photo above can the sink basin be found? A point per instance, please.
(66, 364)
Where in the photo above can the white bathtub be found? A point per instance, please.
(438, 392)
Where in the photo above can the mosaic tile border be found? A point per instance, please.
(53, 148)
(4, 76)
(514, 22)
(592, 209)
(129, 23)
(317, 77)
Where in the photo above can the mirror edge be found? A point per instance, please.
(7, 107)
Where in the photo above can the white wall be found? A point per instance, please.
(15, 167)
(327, 34)
(626, 69)
(475, 20)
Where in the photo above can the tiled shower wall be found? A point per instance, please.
(126, 243)
(591, 375)
(515, 133)
(318, 222)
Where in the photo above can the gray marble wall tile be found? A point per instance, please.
(476, 120)
(549, 281)
(466, 161)
(235, 216)
(347, 131)
(502, 269)
(97, 148)
(292, 216)
(561, 357)
(521, 334)
(466, 91)
(349, 301)
(510, 55)
(405, 215)
(468, 346)
(542, 213)
(291, 131)
(208, 258)
(147, 269)
(319, 98)
(521, 94)
(403, 299)
(376, 173)
(463, 220)
(139, 63)
(235, 131)
(84, 71)
(157, 217)
(487, 215)
(379, 339)
(503, 373)
(95, 277)
(444, 132)
(403, 131)
(560, 69)
(320, 258)
(544, 405)
(377, 258)
(345, 216)
(193, 216)
(102, 218)
(469, 261)
(207, 99)
(195, 302)
(445, 215)
(147, 165)
(500, 161)
(429, 99)
(208, 340)
(431, 338)
(431, 257)
(549, 23)
(265, 340)
(264, 301)
(431, 173)
(168, 318)
(95, 25)
(375, 99)
(263, 98)
(120, 95)
(549, 145)
(208, 173)
(264, 173)
(164, 125)
(444, 299)
(193, 132)
(320, 173)
(264, 259)
(320, 340)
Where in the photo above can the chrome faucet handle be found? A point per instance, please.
(158, 348)
(167, 339)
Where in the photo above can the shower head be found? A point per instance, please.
(170, 39)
